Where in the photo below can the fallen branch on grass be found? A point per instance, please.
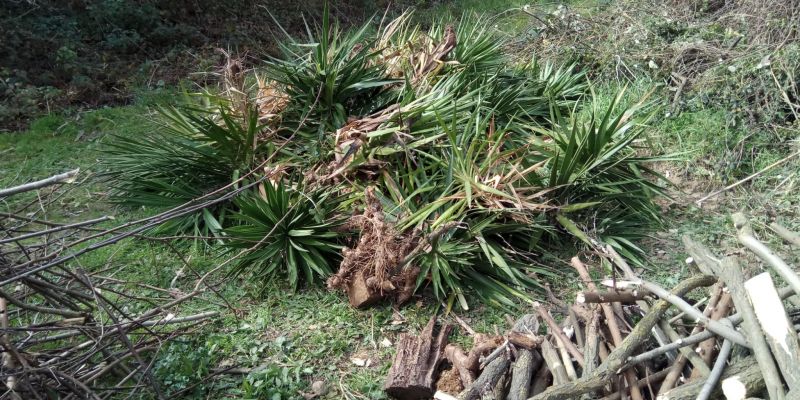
(66, 177)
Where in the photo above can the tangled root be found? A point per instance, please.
(372, 270)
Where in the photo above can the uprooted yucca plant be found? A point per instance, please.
(455, 169)
(195, 152)
(285, 231)
(504, 188)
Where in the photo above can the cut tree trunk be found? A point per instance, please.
(413, 373)
(527, 362)
(525, 366)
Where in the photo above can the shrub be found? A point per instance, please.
(285, 232)
(470, 166)
(196, 152)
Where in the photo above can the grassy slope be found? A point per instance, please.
(313, 335)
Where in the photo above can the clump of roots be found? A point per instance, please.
(376, 267)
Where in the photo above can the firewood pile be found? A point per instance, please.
(722, 333)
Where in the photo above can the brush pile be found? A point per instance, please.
(69, 332)
(397, 160)
(739, 54)
(718, 333)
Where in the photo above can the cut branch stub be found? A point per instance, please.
(780, 335)
(621, 296)
(413, 373)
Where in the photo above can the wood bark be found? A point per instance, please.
(716, 372)
(556, 331)
(730, 271)
(591, 350)
(554, 363)
(697, 362)
(527, 362)
(714, 326)
(413, 373)
(66, 177)
(500, 389)
(746, 237)
(746, 373)
(780, 334)
(524, 340)
(785, 234)
(675, 371)
(460, 362)
(573, 320)
(611, 323)
(541, 381)
(647, 381)
(488, 379)
(734, 319)
(720, 309)
(566, 359)
(610, 296)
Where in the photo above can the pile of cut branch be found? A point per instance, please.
(71, 332)
(629, 338)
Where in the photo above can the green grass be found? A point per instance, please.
(59, 142)
(313, 334)
(509, 20)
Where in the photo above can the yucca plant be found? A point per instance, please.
(441, 127)
(286, 232)
(598, 175)
(595, 160)
(478, 49)
(194, 152)
(474, 177)
(331, 76)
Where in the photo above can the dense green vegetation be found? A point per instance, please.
(572, 134)
(483, 154)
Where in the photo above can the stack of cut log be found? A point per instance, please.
(625, 337)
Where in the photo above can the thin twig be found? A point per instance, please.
(748, 178)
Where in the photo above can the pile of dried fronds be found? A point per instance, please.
(454, 167)
(629, 338)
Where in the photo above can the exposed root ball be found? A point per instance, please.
(371, 271)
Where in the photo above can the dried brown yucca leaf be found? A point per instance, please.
(270, 99)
